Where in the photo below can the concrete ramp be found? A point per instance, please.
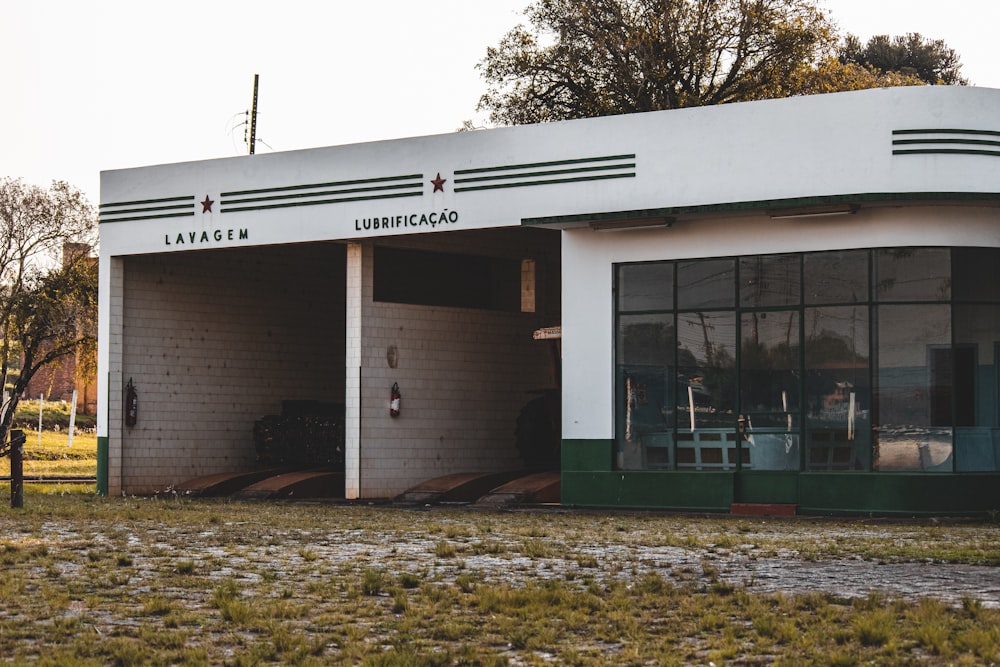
(223, 483)
(297, 484)
(540, 487)
(463, 487)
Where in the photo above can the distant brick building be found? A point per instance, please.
(56, 381)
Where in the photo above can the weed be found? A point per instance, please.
(409, 580)
(445, 550)
(185, 567)
(466, 583)
(158, 605)
(874, 628)
(373, 581)
(400, 601)
(535, 549)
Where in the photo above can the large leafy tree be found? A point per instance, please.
(583, 58)
(930, 61)
(48, 299)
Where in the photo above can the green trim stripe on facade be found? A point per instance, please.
(588, 480)
(147, 209)
(931, 142)
(545, 173)
(102, 465)
(337, 192)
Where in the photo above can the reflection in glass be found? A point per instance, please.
(769, 388)
(836, 277)
(913, 274)
(706, 370)
(645, 385)
(977, 274)
(837, 393)
(977, 375)
(770, 280)
(706, 391)
(645, 287)
(912, 343)
(706, 283)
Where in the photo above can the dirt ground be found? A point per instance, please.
(205, 582)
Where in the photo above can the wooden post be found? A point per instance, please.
(17, 439)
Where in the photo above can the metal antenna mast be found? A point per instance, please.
(253, 116)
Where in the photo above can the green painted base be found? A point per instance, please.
(589, 480)
(102, 465)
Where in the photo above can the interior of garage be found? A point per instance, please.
(216, 341)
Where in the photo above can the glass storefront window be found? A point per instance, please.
(706, 391)
(709, 283)
(837, 389)
(856, 360)
(770, 280)
(836, 277)
(770, 377)
(706, 370)
(914, 429)
(913, 274)
(976, 378)
(646, 384)
(645, 287)
(977, 274)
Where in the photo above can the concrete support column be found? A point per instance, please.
(109, 376)
(352, 370)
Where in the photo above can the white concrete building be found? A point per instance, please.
(229, 286)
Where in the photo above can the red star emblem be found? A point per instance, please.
(438, 183)
(206, 206)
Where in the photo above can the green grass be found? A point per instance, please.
(90, 580)
(53, 456)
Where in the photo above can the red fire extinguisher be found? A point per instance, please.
(131, 404)
(394, 400)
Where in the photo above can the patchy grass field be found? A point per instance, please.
(54, 456)
(130, 581)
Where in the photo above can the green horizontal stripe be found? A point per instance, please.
(146, 201)
(335, 184)
(991, 133)
(767, 204)
(943, 151)
(497, 186)
(149, 209)
(189, 214)
(920, 142)
(554, 172)
(554, 163)
(316, 203)
(326, 193)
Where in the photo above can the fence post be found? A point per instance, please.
(72, 419)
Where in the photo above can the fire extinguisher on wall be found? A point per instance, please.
(394, 400)
(131, 404)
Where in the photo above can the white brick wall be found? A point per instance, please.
(214, 340)
(464, 374)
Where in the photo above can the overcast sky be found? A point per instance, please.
(107, 84)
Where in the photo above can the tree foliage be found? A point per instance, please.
(911, 55)
(48, 300)
(584, 58)
(587, 58)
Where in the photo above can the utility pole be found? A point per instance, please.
(253, 116)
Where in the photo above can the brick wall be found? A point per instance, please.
(214, 340)
(464, 374)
